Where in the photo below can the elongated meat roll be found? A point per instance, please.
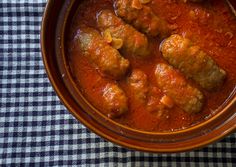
(173, 84)
(133, 41)
(146, 94)
(193, 62)
(108, 59)
(141, 17)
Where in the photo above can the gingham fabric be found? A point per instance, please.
(37, 130)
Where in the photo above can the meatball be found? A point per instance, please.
(101, 54)
(181, 53)
(115, 100)
(173, 84)
(141, 17)
(134, 42)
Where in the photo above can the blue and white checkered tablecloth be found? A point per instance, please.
(37, 130)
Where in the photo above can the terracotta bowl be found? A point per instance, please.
(56, 20)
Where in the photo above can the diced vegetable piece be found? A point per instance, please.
(167, 101)
(117, 43)
(144, 1)
(136, 4)
(107, 36)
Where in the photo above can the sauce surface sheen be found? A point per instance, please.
(210, 25)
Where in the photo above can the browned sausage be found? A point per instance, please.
(102, 54)
(146, 94)
(174, 85)
(193, 62)
(134, 42)
(142, 18)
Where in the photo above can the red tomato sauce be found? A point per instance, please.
(211, 25)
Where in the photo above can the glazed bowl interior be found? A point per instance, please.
(57, 19)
